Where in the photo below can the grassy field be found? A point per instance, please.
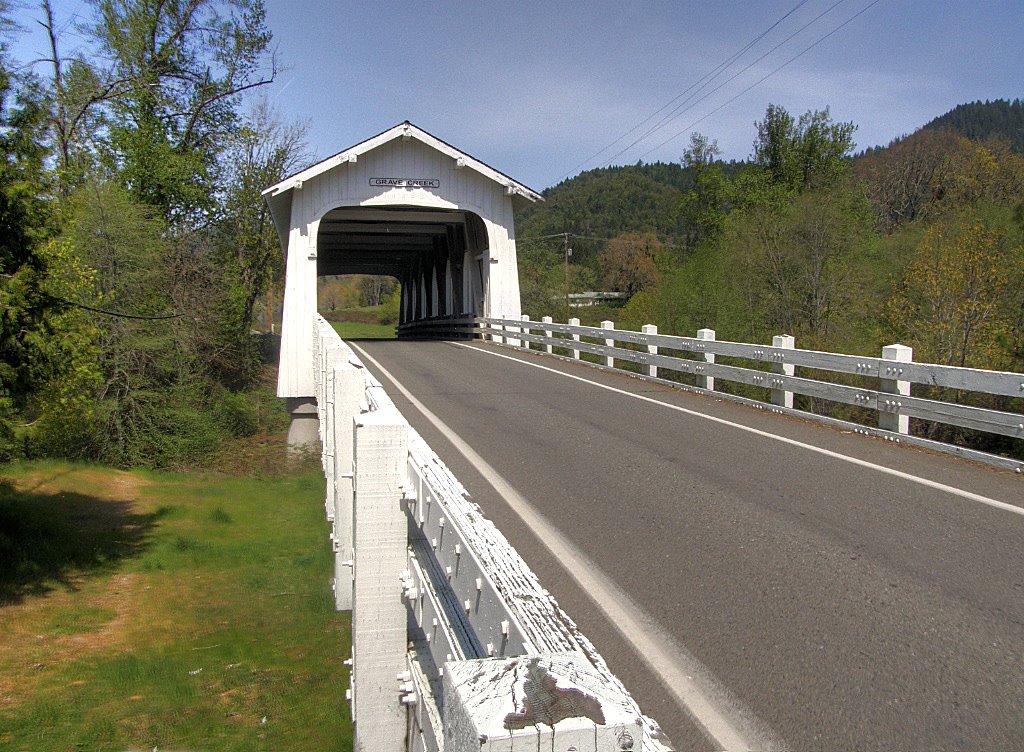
(170, 611)
(360, 330)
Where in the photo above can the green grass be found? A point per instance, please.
(171, 611)
(360, 330)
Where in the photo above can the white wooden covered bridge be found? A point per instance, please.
(406, 204)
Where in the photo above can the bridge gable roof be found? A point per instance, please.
(403, 130)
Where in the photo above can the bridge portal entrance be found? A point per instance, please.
(437, 255)
(406, 204)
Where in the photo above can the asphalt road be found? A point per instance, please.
(816, 603)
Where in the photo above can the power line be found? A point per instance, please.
(764, 78)
(706, 78)
(577, 236)
(113, 313)
(680, 109)
(538, 238)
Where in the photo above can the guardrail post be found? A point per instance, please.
(547, 333)
(889, 417)
(333, 353)
(495, 336)
(781, 397)
(526, 342)
(652, 370)
(575, 337)
(609, 360)
(506, 701)
(378, 613)
(706, 382)
(348, 398)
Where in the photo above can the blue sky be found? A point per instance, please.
(537, 88)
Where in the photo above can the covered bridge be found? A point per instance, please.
(406, 204)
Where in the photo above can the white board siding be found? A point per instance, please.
(347, 184)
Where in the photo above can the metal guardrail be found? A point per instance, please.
(451, 327)
(454, 637)
(890, 397)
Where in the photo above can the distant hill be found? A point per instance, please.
(610, 201)
(980, 120)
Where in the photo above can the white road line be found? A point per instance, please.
(757, 432)
(692, 685)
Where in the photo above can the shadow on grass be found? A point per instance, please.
(50, 540)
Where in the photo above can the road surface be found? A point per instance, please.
(802, 595)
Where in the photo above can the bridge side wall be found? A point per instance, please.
(351, 184)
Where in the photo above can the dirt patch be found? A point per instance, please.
(30, 648)
(121, 597)
(116, 485)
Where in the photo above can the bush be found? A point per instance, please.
(236, 413)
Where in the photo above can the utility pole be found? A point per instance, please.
(567, 240)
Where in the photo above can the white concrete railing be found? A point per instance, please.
(889, 395)
(454, 639)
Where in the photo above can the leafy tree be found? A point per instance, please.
(956, 302)
(262, 151)
(141, 360)
(27, 313)
(797, 153)
(373, 289)
(704, 208)
(335, 292)
(154, 93)
(697, 293)
(629, 263)
(906, 181)
(986, 173)
(63, 408)
(796, 262)
(186, 61)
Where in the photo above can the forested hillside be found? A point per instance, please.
(921, 242)
(981, 120)
(609, 201)
(135, 251)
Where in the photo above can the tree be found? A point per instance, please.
(262, 151)
(27, 312)
(701, 153)
(704, 208)
(154, 94)
(907, 180)
(798, 153)
(373, 289)
(76, 119)
(956, 302)
(141, 360)
(797, 262)
(629, 263)
(186, 62)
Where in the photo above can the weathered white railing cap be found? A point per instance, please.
(556, 700)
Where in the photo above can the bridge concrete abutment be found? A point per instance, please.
(304, 430)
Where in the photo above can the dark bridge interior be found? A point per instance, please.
(411, 244)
